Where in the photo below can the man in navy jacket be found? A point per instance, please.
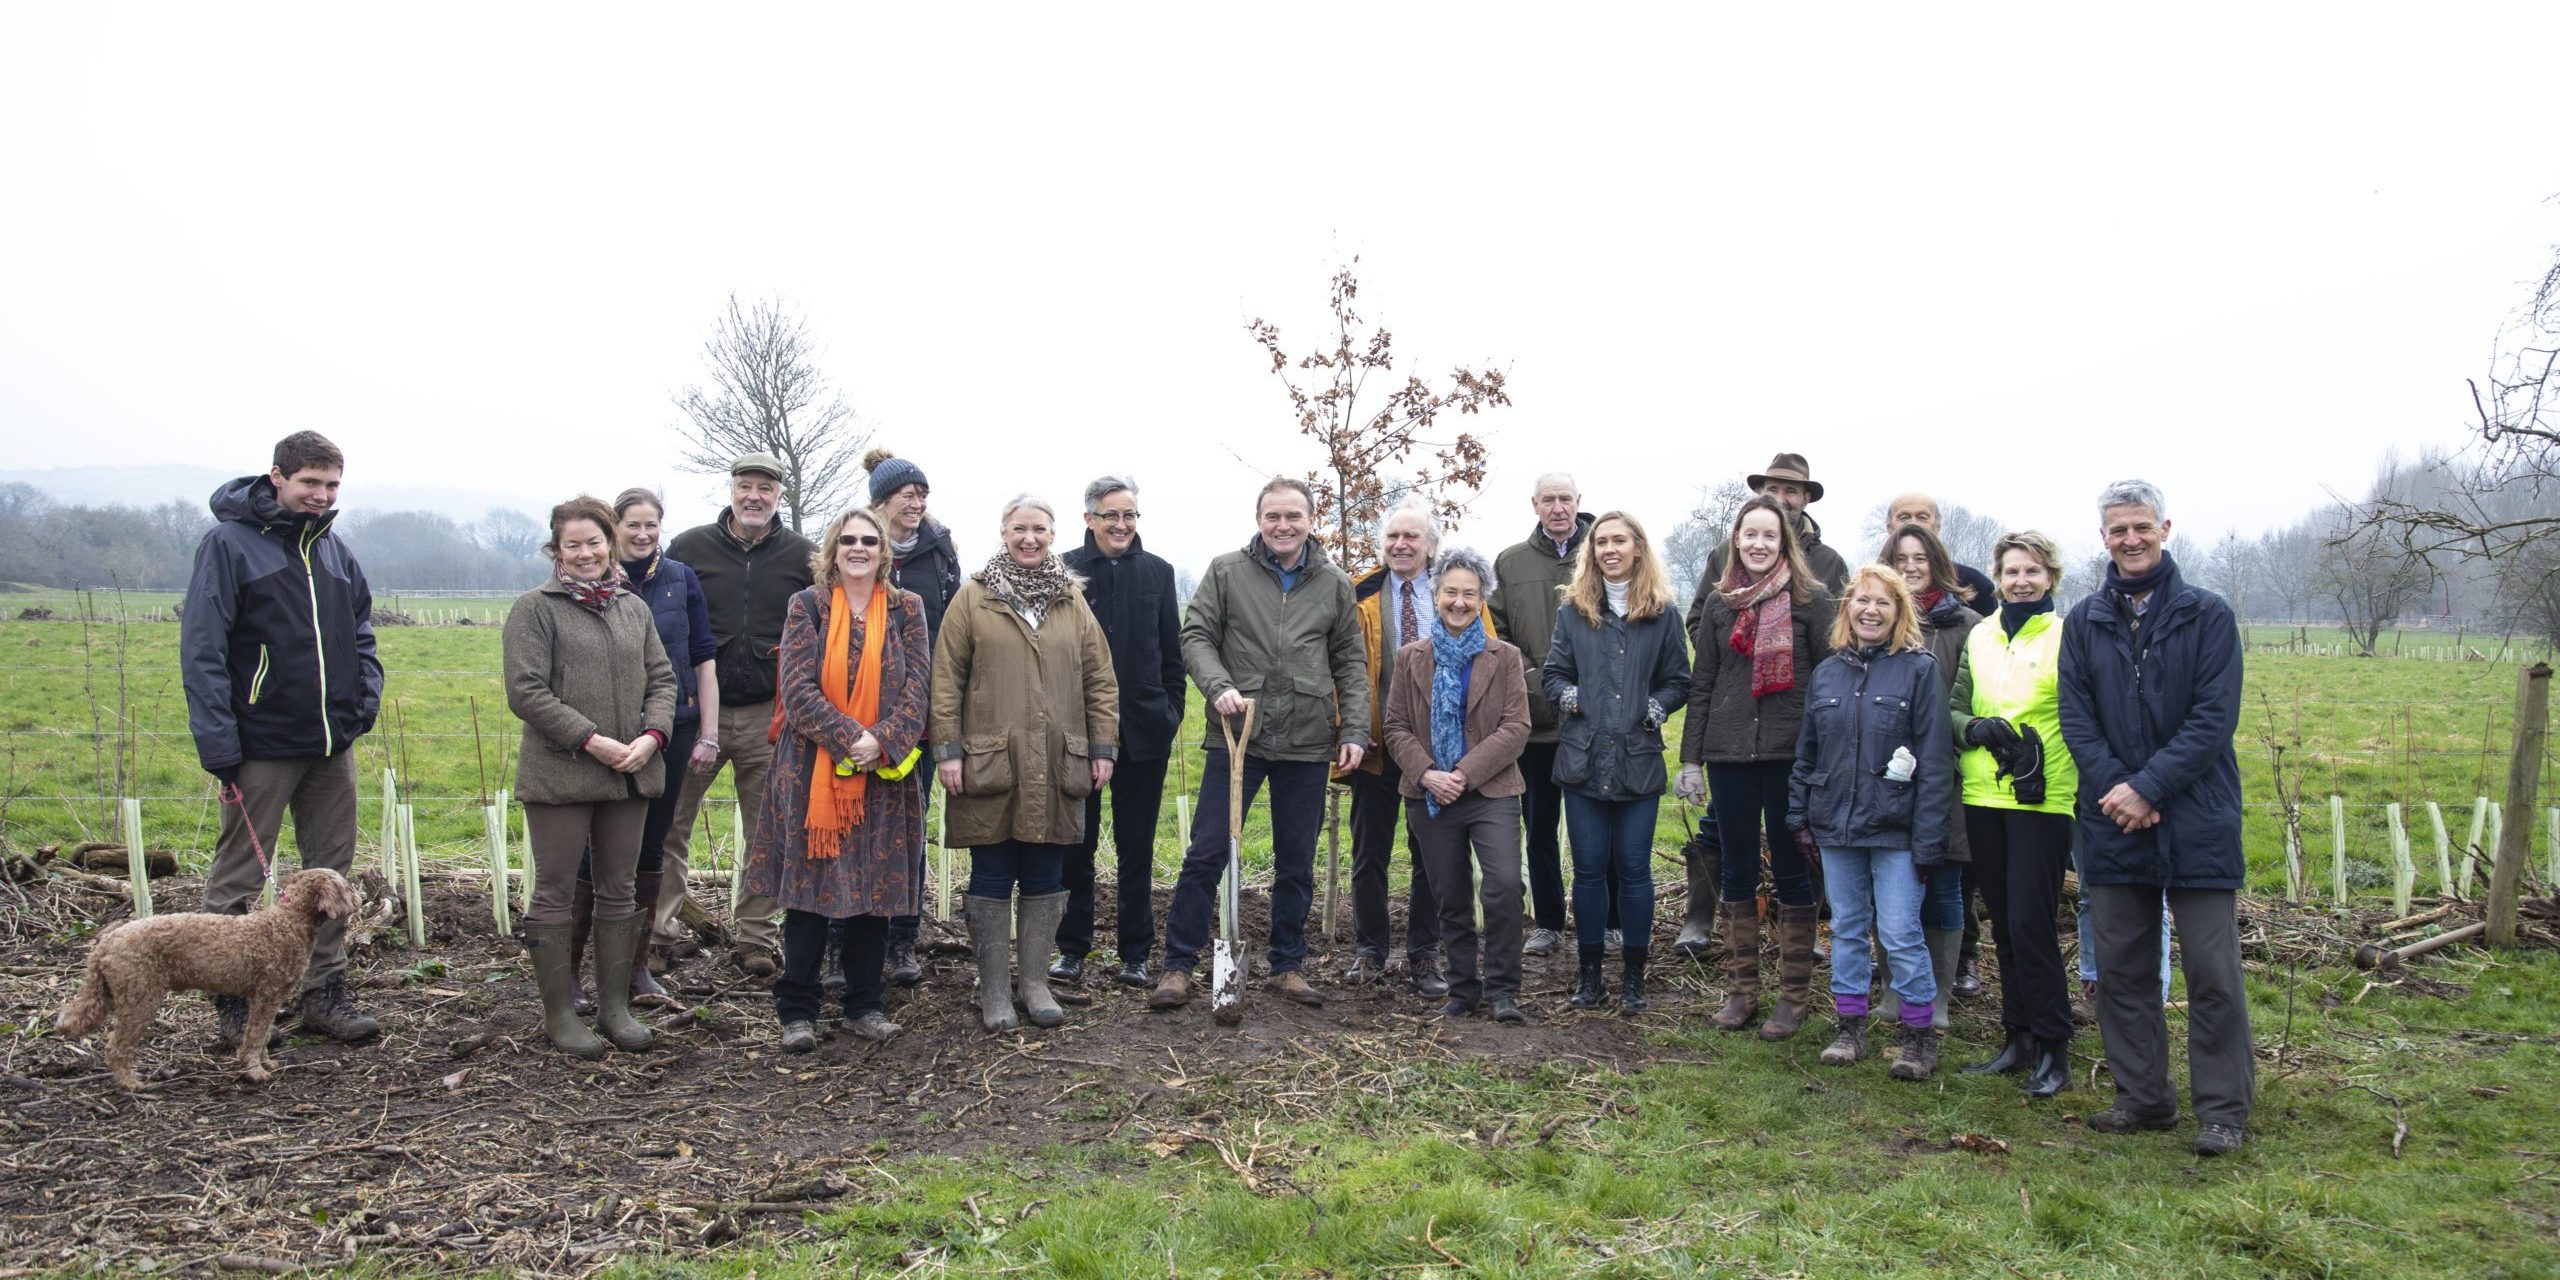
(2150, 686)
(1132, 593)
(276, 653)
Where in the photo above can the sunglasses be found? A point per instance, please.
(858, 540)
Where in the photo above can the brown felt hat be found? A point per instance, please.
(1789, 466)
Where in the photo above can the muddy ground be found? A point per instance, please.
(460, 1138)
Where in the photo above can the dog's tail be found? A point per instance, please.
(88, 1009)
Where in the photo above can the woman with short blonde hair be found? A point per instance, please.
(1870, 794)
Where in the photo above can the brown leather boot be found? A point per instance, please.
(645, 990)
(1795, 973)
(582, 923)
(1741, 966)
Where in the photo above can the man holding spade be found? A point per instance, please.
(1274, 623)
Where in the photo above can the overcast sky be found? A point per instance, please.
(2005, 257)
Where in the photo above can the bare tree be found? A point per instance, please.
(2498, 500)
(509, 532)
(2233, 570)
(767, 396)
(1362, 444)
(2368, 577)
(1691, 545)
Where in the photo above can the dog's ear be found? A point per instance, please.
(340, 901)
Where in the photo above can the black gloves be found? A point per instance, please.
(2025, 764)
(1992, 732)
(228, 775)
(1807, 845)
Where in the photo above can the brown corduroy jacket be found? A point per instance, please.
(1497, 719)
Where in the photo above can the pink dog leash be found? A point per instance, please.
(230, 793)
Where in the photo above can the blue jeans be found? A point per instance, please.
(2089, 949)
(1874, 890)
(1610, 834)
(995, 868)
(1297, 809)
(1942, 907)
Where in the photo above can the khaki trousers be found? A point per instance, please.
(743, 750)
(321, 791)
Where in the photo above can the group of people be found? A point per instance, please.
(1892, 737)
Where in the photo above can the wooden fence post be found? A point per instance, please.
(2524, 772)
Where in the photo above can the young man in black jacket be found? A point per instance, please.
(276, 653)
(1132, 593)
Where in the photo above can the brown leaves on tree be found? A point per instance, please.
(1382, 450)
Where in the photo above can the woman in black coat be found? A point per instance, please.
(1615, 669)
(1760, 635)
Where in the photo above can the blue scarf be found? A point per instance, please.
(1452, 658)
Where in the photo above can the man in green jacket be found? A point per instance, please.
(1522, 610)
(1276, 623)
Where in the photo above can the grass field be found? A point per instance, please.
(1718, 1156)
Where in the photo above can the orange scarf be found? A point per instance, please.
(835, 803)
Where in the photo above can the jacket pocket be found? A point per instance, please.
(1573, 753)
(1270, 715)
(1315, 713)
(1075, 766)
(986, 765)
(1895, 802)
(1644, 774)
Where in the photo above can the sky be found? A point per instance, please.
(2005, 255)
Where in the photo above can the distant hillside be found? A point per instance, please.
(153, 483)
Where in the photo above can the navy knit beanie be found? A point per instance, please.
(892, 475)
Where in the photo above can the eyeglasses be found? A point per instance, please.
(858, 540)
(1116, 517)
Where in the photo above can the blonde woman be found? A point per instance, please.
(836, 856)
(1870, 793)
(1615, 670)
(1026, 724)
(2006, 707)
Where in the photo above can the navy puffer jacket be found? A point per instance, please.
(1863, 704)
(276, 647)
(2156, 706)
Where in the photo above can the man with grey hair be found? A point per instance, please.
(1131, 593)
(1395, 610)
(2150, 696)
(1530, 578)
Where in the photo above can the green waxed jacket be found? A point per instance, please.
(1297, 653)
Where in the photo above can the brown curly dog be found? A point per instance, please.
(135, 964)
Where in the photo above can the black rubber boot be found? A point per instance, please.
(2051, 1072)
(2015, 1056)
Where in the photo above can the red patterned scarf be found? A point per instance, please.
(597, 595)
(1764, 615)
